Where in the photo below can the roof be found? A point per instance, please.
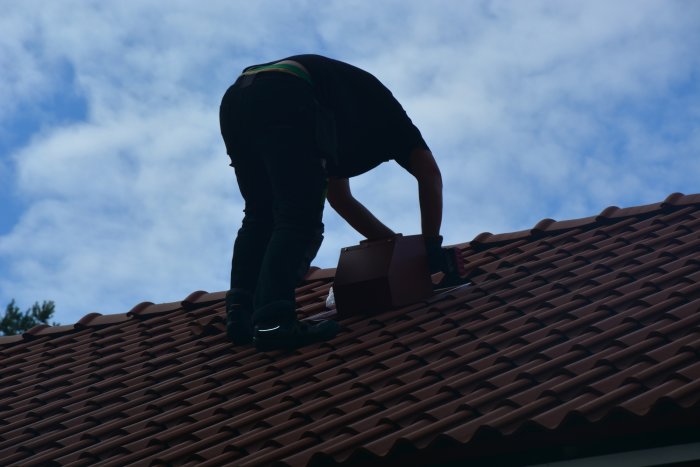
(571, 335)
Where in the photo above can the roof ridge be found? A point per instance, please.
(143, 310)
(610, 213)
(200, 298)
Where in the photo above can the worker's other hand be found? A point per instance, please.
(436, 257)
(446, 260)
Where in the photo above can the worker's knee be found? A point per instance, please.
(262, 222)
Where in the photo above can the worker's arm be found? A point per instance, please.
(423, 167)
(340, 198)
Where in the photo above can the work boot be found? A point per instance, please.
(293, 335)
(239, 309)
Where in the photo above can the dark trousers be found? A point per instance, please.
(269, 128)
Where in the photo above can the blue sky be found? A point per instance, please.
(115, 186)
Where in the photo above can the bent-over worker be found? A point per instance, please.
(296, 130)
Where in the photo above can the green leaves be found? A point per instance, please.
(16, 322)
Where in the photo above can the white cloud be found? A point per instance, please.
(22, 76)
(534, 109)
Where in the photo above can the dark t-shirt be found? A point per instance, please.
(371, 126)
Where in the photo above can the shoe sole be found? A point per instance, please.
(292, 342)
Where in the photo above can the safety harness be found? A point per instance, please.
(284, 67)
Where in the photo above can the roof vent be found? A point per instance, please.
(378, 275)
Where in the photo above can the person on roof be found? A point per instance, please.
(296, 130)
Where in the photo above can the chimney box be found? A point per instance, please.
(378, 275)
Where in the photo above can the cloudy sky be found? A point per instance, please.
(114, 182)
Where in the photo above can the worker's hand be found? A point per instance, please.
(446, 260)
(436, 257)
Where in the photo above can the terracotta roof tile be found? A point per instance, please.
(573, 331)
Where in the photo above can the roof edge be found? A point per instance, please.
(141, 311)
(610, 213)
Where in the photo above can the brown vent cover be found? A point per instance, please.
(378, 275)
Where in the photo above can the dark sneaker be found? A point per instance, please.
(294, 335)
(239, 327)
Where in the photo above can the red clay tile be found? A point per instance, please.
(563, 226)
(543, 225)
(607, 212)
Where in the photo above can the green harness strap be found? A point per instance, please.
(280, 67)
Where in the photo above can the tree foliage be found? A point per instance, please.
(16, 322)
